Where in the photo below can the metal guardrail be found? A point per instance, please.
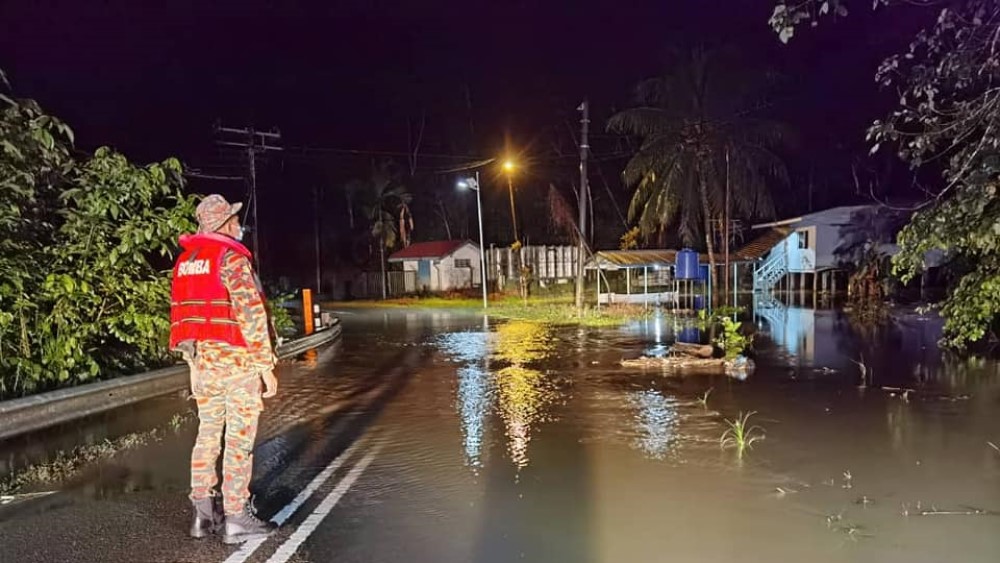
(20, 416)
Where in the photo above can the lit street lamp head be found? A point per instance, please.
(468, 183)
(509, 166)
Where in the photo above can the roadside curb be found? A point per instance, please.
(27, 414)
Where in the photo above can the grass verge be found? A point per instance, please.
(557, 310)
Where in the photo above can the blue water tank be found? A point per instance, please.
(687, 265)
(699, 302)
(703, 272)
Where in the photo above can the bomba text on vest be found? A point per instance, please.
(194, 268)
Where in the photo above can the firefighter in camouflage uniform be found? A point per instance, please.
(219, 325)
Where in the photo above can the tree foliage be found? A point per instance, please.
(787, 16)
(384, 196)
(699, 128)
(949, 114)
(81, 247)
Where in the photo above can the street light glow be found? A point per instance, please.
(463, 184)
(508, 166)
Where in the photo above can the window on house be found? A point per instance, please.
(463, 263)
(803, 239)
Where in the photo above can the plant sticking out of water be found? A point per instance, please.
(179, 420)
(740, 434)
(703, 401)
(732, 341)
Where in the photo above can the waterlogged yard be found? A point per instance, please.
(840, 446)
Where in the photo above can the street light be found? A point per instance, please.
(473, 184)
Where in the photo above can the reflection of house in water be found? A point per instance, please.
(825, 337)
(809, 334)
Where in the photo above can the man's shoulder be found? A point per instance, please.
(233, 259)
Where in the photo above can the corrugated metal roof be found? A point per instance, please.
(427, 250)
(634, 258)
(613, 259)
(758, 247)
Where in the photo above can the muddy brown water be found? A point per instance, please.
(511, 441)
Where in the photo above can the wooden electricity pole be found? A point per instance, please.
(252, 142)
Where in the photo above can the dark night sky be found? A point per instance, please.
(150, 79)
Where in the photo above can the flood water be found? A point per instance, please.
(513, 441)
(522, 442)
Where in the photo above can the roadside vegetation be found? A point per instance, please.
(85, 242)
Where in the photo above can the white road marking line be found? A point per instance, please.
(248, 548)
(292, 544)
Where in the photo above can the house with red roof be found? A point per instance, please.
(440, 265)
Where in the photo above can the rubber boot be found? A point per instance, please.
(208, 517)
(245, 526)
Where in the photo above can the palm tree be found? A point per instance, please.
(698, 131)
(386, 197)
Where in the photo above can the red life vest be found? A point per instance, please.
(200, 306)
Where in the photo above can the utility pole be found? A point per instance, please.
(513, 213)
(584, 190)
(725, 233)
(252, 142)
(316, 231)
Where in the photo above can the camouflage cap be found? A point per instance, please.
(214, 211)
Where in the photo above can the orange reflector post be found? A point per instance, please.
(307, 310)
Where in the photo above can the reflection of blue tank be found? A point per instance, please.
(687, 265)
(689, 335)
(699, 302)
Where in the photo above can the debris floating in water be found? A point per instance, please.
(739, 367)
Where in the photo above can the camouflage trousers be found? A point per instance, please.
(229, 405)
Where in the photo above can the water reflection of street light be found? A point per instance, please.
(508, 169)
(475, 389)
(473, 400)
(473, 184)
(656, 422)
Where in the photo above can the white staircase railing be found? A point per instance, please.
(772, 270)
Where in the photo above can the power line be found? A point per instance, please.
(367, 152)
(201, 175)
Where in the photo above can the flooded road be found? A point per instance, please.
(436, 436)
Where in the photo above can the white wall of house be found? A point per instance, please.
(459, 270)
(828, 226)
(812, 245)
